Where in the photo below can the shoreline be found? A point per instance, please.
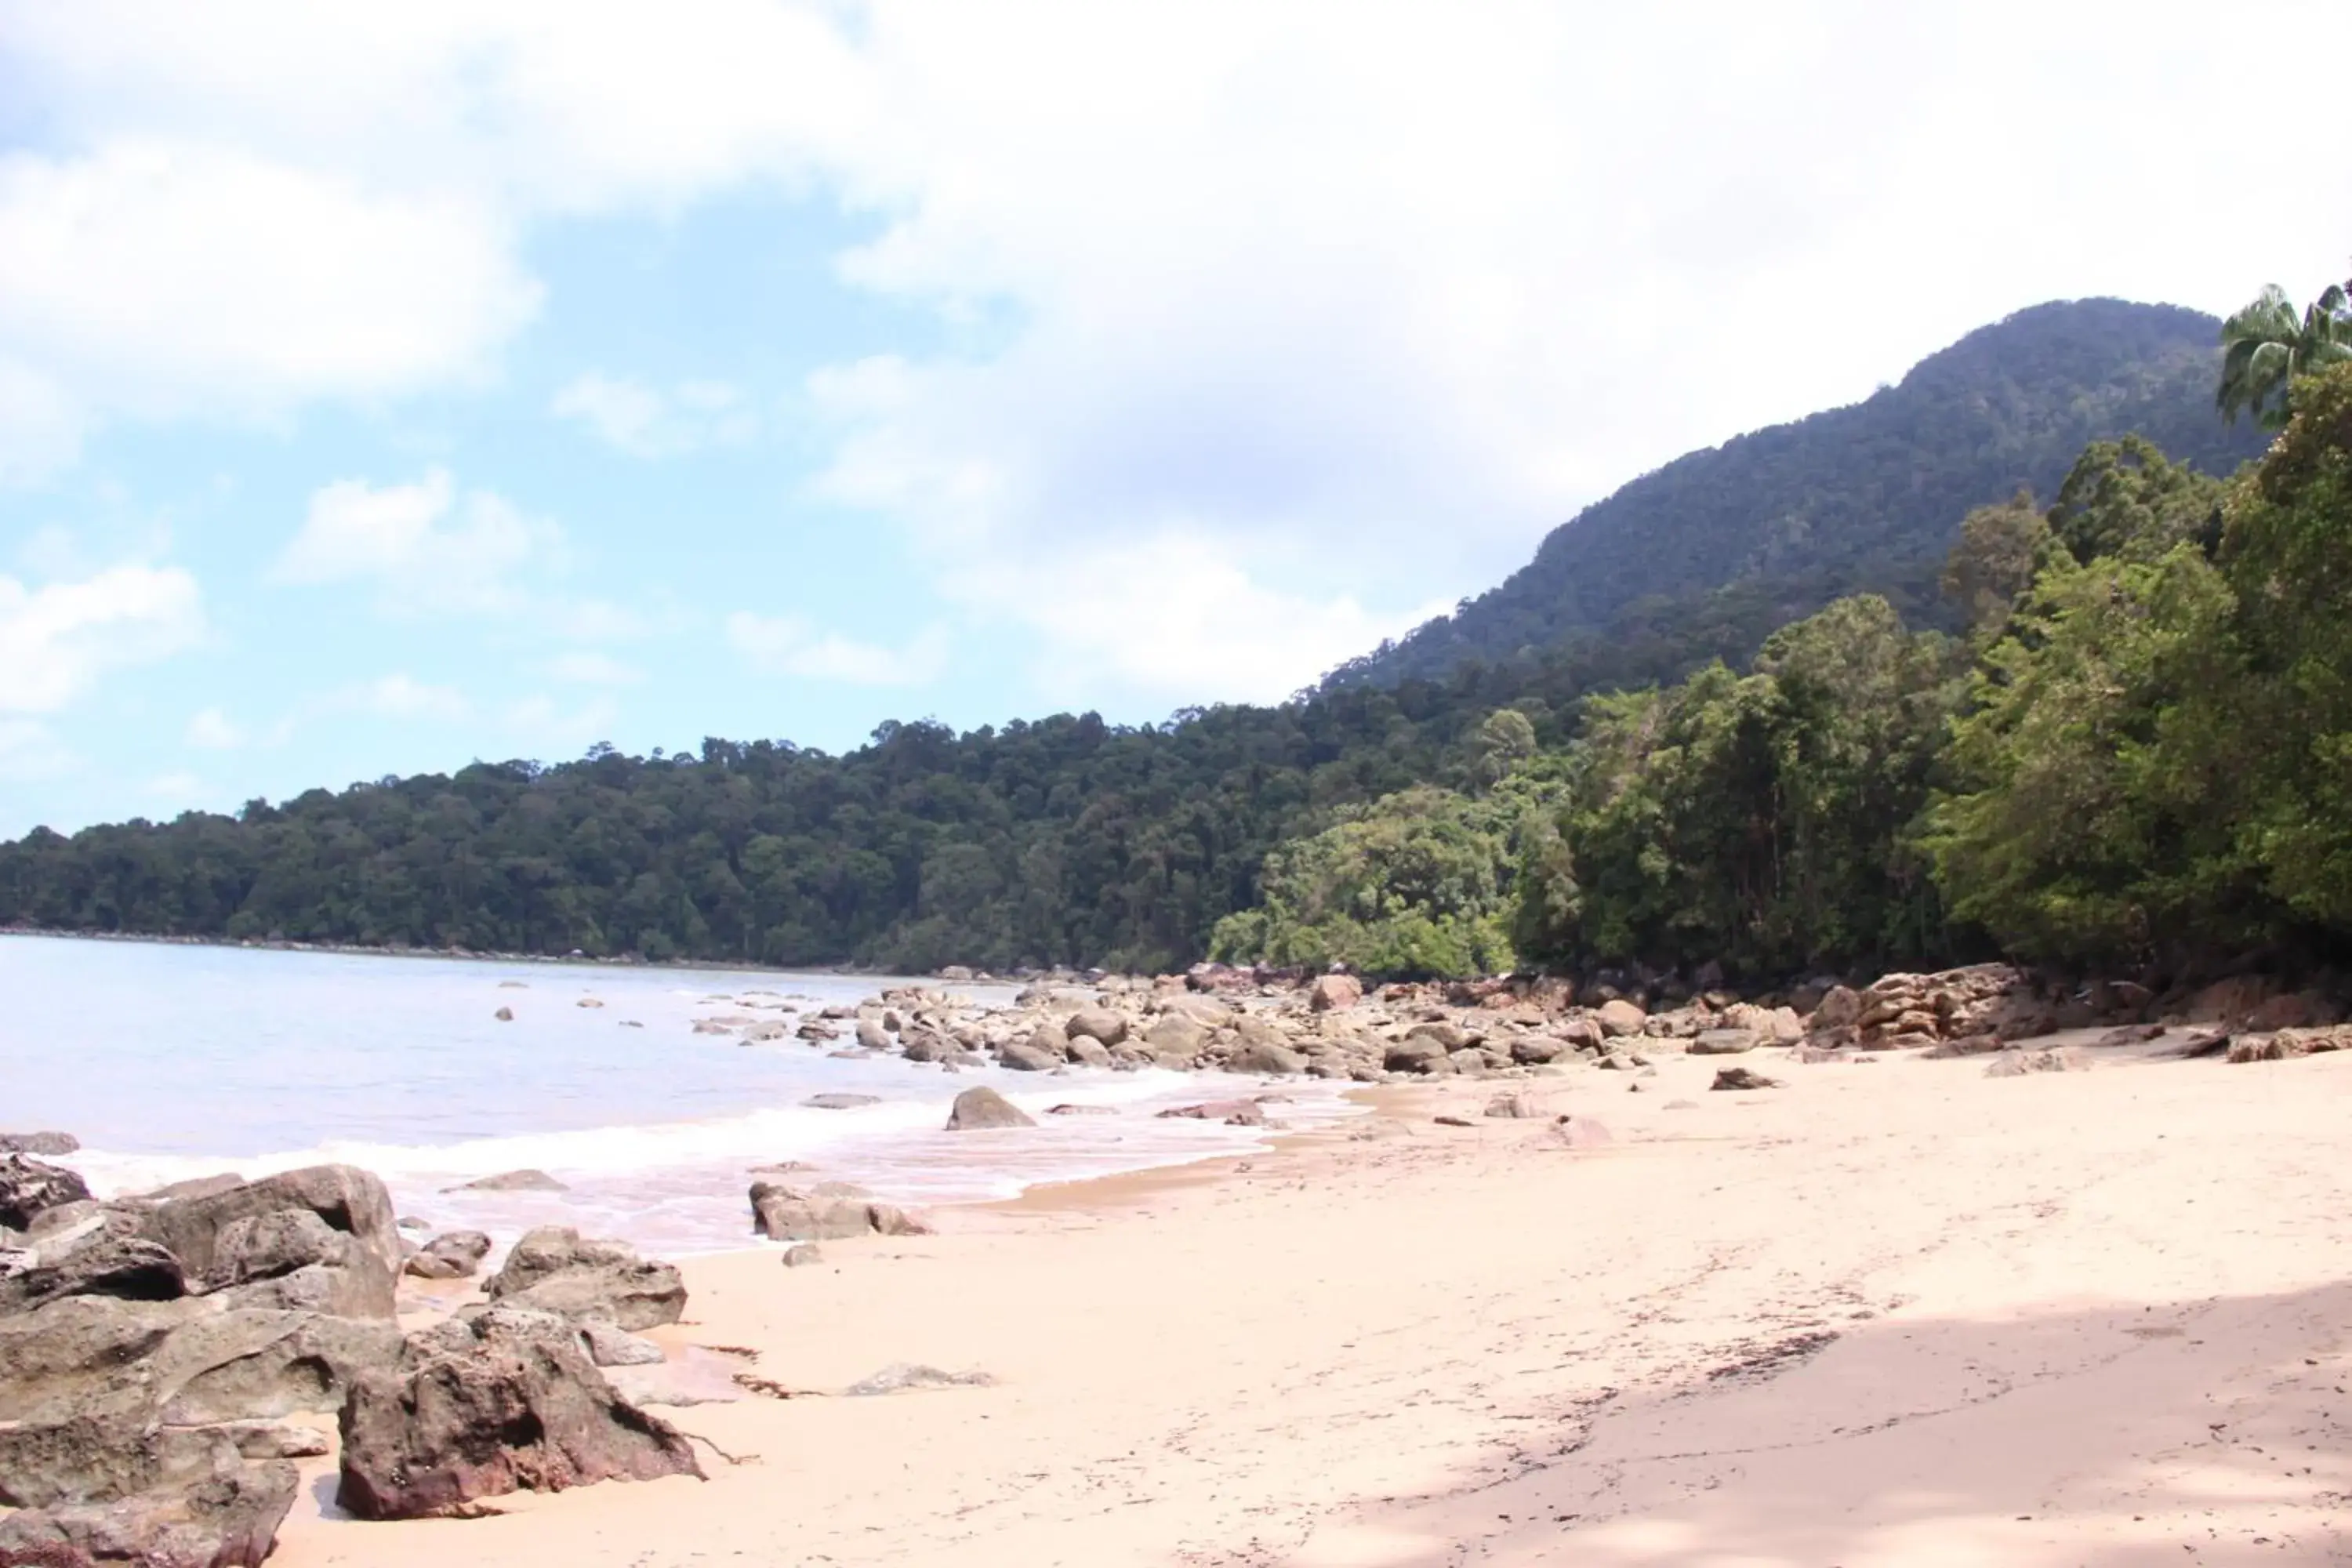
(1892, 1313)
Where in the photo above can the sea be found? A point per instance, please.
(171, 1061)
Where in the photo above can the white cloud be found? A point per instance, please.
(56, 640)
(424, 547)
(210, 730)
(539, 723)
(400, 696)
(174, 787)
(788, 645)
(647, 422)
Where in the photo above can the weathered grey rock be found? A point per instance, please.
(1418, 1053)
(1534, 1050)
(508, 1401)
(976, 1108)
(873, 1035)
(1088, 1051)
(1742, 1078)
(512, 1181)
(1581, 1132)
(807, 1254)
(1724, 1042)
(1023, 1055)
(1266, 1058)
(454, 1255)
(1175, 1038)
(2017, 1064)
(1099, 1024)
(193, 1187)
(1515, 1104)
(1232, 1112)
(829, 1211)
(28, 1185)
(608, 1346)
(100, 1254)
(228, 1518)
(348, 1200)
(264, 1246)
(927, 1045)
(49, 1145)
(835, 1102)
(1840, 1007)
(554, 1270)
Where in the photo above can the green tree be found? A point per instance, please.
(2265, 345)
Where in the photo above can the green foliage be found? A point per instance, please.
(1416, 884)
(2000, 549)
(2266, 346)
(2127, 499)
(1856, 500)
(1753, 821)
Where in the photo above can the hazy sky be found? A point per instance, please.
(385, 386)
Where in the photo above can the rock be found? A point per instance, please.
(1086, 1051)
(608, 1346)
(840, 1101)
(872, 1036)
(1535, 1050)
(28, 1185)
(1620, 1017)
(453, 1256)
(1742, 1078)
(828, 1211)
(2229, 1003)
(1082, 1110)
(588, 1002)
(193, 1187)
(1451, 1120)
(1100, 1025)
(229, 1518)
(1581, 1034)
(512, 1181)
(977, 1108)
(806, 1255)
(1417, 1053)
(903, 1375)
(1232, 1112)
(1969, 1045)
(1515, 1104)
(348, 1200)
(2017, 1064)
(264, 1246)
(103, 1254)
(48, 1145)
(2291, 1010)
(1278, 1060)
(1840, 1007)
(553, 1269)
(1581, 1132)
(504, 1015)
(927, 1045)
(1722, 1042)
(1622, 1061)
(1176, 1039)
(1334, 992)
(1023, 1057)
(508, 1401)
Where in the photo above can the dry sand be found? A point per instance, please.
(1892, 1313)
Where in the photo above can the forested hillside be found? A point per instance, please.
(1862, 498)
(2117, 743)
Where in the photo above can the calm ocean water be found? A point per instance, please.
(171, 1062)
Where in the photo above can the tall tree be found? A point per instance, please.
(2266, 345)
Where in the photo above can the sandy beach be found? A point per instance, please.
(1894, 1313)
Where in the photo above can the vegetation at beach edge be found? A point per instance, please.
(2120, 737)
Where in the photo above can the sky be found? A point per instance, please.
(384, 387)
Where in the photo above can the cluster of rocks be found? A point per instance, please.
(152, 1350)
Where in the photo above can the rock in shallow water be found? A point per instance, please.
(978, 1108)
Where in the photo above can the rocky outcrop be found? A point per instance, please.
(827, 1211)
(1334, 992)
(102, 1254)
(250, 1240)
(228, 1518)
(508, 1401)
(512, 1181)
(555, 1270)
(454, 1255)
(981, 1108)
(49, 1145)
(29, 1186)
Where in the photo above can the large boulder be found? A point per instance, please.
(872, 1036)
(1100, 1025)
(828, 1211)
(1839, 1008)
(48, 1144)
(1028, 1056)
(1620, 1018)
(351, 1274)
(979, 1108)
(1266, 1056)
(228, 1518)
(1417, 1053)
(28, 1185)
(100, 1254)
(554, 1270)
(1723, 1042)
(1175, 1039)
(1334, 992)
(508, 1401)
